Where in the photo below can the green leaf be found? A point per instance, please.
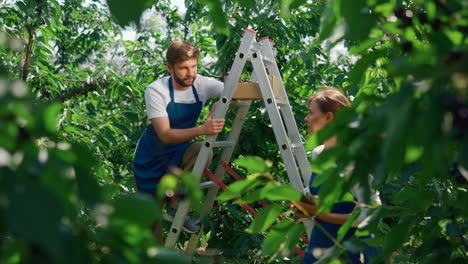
(397, 236)
(464, 153)
(385, 8)
(193, 190)
(166, 255)
(312, 142)
(358, 18)
(87, 183)
(355, 245)
(128, 11)
(413, 153)
(415, 199)
(330, 191)
(126, 206)
(273, 193)
(393, 149)
(347, 225)
(131, 116)
(237, 188)
(328, 22)
(168, 182)
(293, 236)
(296, 4)
(256, 195)
(21, 6)
(431, 9)
(217, 15)
(284, 7)
(275, 237)
(26, 217)
(453, 229)
(247, 3)
(357, 72)
(265, 218)
(252, 164)
(283, 193)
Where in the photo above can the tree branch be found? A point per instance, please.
(24, 71)
(81, 90)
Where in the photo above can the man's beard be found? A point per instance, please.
(183, 83)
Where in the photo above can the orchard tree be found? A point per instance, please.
(72, 111)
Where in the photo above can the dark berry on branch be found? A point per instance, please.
(407, 46)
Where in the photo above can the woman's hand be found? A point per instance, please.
(304, 210)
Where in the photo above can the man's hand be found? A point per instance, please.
(212, 126)
(212, 109)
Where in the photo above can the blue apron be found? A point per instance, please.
(319, 239)
(153, 158)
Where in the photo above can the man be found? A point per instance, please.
(173, 105)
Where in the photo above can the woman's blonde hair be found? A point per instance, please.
(179, 51)
(329, 99)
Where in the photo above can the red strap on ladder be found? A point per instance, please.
(223, 186)
(238, 178)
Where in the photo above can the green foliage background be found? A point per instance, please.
(72, 110)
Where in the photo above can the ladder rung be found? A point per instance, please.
(222, 144)
(297, 147)
(293, 146)
(268, 60)
(238, 102)
(281, 102)
(207, 184)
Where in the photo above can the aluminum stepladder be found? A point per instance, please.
(291, 147)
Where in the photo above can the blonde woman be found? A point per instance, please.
(323, 106)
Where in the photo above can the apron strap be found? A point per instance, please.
(195, 93)
(171, 91)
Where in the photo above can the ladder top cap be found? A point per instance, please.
(272, 41)
(251, 30)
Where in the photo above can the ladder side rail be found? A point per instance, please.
(286, 111)
(276, 121)
(225, 99)
(219, 173)
(233, 136)
(288, 117)
(235, 73)
(174, 231)
(205, 151)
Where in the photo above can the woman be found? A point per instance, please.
(323, 106)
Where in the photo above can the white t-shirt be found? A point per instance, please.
(157, 95)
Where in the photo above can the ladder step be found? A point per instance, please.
(296, 145)
(222, 144)
(281, 102)
(268, 60)
(240, 102)
(207, 184)
(293, 146)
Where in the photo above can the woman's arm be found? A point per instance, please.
(307, 209)
(363, 216)
(333, 218)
